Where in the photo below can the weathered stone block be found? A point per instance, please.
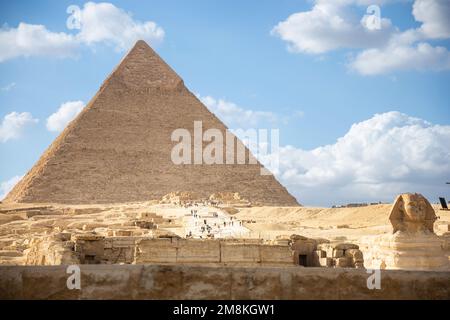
(240, 253)
(337, 253)
(156, 251)
(341, 262)
(273, 254)
(346, 246)
(198, 251)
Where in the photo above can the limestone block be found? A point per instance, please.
(316, 256)
(120, 243)
(10, 253)
(145, 224)
(338, 253)
(282, 242)
(123, 233)
(108, 243)
(355, 254)
(327, 247)
(276, 254)
(5, 243)
(295, 237)
(156, 251)
(326, 262)
(64, 236)
(445, 238)
(92, 226)
(94, 248)
(87, 237)
(240, 253)
(118, 255)
(342, 262)
(69, 245)
(346, 246)
(198, 251)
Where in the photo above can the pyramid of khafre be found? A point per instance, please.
(119, 147)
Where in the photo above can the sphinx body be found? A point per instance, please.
(413, 245)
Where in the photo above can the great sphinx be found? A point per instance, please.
(412, 212)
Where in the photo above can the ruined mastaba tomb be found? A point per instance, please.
(119, 147)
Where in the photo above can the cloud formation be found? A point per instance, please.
(67, 112)
(95, 23)
(409, 50)
(329, 26)
(434, 16)
(14, 124)
(34, 40)
(6, 186)
(375, 160)
(395, 57)
(104, 22)
(237, 117)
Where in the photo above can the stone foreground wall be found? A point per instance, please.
(194, 282)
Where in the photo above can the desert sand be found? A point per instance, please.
(21, 225)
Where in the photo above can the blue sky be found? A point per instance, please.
(233, 53)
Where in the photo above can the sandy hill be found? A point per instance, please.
(330, 223)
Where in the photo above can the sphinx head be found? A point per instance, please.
(412, 212)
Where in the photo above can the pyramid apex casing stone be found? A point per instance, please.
(143, 68)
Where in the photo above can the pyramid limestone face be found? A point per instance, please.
(118, 149)
(413, 244)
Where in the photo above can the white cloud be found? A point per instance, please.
(327, 27)
(8, 87)
(6, 186)
(100, 23)
(418, 57)
(236, 117)
(14, 124)
(434, 16)
(408, 50)
(34, 40)
(66, 113)
(377, 159)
